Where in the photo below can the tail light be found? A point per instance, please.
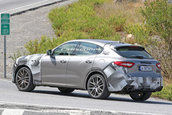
(124, 64)
(158, 65)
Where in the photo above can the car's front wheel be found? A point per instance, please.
(24, 80)
(140, 96)
(97, 87)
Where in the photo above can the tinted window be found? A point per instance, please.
(133, 52)
(88, 49)
(65, 49)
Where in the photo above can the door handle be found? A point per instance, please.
(62, 61)
(88, 61)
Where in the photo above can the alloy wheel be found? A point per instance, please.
(96, 86)
(23, 78)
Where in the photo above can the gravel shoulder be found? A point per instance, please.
(25, 27)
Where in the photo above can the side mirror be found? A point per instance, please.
(49, 52)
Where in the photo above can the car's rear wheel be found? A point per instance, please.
(140, 96)
(66, 90)
(24, 80)
(97, 87)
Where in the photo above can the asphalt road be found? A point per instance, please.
(45, 96)
(6, 5)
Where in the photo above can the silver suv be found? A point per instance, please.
(99, 66)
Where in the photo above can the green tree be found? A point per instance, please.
(158, 19)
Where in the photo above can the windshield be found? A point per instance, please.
(133, 52)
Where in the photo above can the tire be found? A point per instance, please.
(97, 87)
(24, 80)
(140, 96)
(66, 90)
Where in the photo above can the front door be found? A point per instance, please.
(53, 68)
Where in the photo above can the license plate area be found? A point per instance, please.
(145, 68)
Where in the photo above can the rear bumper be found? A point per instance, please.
(130, 88)
(119, 81)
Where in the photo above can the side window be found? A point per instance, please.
(65, 49)
(99, 49)
(88, 49)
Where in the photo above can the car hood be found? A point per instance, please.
(30, 59)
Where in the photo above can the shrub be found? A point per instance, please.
(141, 34)
(158, 50)
(157, 15)
(127, 10)
(166, 93)
(117, 22)
(17, 54)
(41, 46)
(81, 17)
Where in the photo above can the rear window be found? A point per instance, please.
(133, 52)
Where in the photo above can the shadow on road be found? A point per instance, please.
(85, 95)
(145, 102)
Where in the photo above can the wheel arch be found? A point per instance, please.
(95, 71)
(19, 67)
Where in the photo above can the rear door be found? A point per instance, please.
(81, 63)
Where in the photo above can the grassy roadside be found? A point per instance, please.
(99, 19)
(166, 92)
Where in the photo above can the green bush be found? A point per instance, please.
(41, 46)
(158, 20)
(81, 17)
(117, 22)
(141, 34)
(166, 93)
(158, 17)
(18, 54)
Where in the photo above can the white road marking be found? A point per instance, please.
(75, 112)
(13, 112)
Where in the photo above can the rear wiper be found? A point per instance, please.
(140, 57)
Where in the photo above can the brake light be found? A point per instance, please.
(124, 64)
(158, 65)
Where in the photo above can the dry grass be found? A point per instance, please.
(167, 81)
(130, 10)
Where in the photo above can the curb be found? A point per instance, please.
(20, 109)
(64, 112)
